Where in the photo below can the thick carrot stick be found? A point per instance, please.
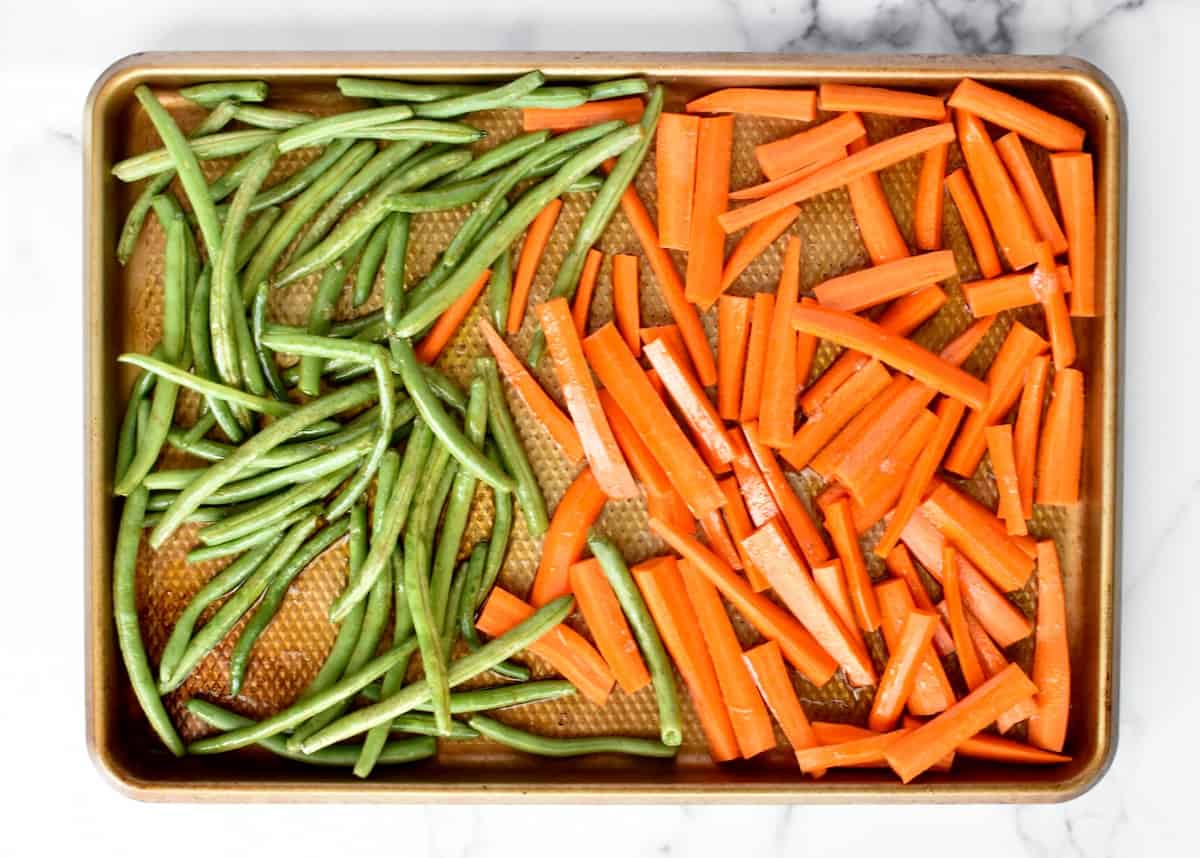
(675, 165)
(610, 630)
(869, 160)
(1004, 468)
(747, 712)
(992, 660)
(820, 158)
(876, 223)
(738, 522)
(770, 675)
(777, 410)
(690, 399)
(716, 534)
(733, 333)
(806, 353)
(1008, 111)
(931, 692)
(836, 97)
(964, 647)
(1028, 428)
(985, 746)
(854, 332)
(536, 239)
(845, 441)
(587, 286)
(881, 487)
(780, 157)
(871, 286)
(900, 676)
(706, 244)
(979, 535)
(799, 104)
(866, 751)
(927, 206)
(838, 410)
(801, 525)
(862, 462)
(545, 409)
(1044, 283)
(761, 314)
(832, 583)
(1060, 451)
(1076, 191)
(1051, 657)
(628, 110)
(756, 239)
(566, 537)
(839, 521)
(1016, 160)
(617, 368)
(563, 647)
(579, 390)
(755, 489)
(447, 325)
(626, 302)
(798, 645)
(974, 222)
(1007, 292)
(900, 564)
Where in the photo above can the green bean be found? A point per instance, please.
(229, 181)
(199, 516)
(466, 612)
(250, 540)
(501, 96)
(203, 425)
(273, 509)
(512, 452)
(393, 266)
(588, 184)
(499, 697)
(329, 127)
(546, 746)
(554, 97)
(125, 615)
(450, 628)
(202, 357)
(500, 155)
(550, 165)
(320, 319)
(255, 233)
(444, 197)
(617, 88)
(463, 670)
(391, 90)
(420, 724)
(443, 488)
(353, 327)
(272, 599)
(127, 439)
(205, 148)
(307, 470)
(502, 521)
(301, 179)
(269, 117)
(369, 262)
(401, 751)
(266, 358)
(500, 289)
(208, 94)
(423, 130)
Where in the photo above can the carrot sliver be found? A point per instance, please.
(931, 692)
(563, 647)
(1028, 427)
(857, 468)
(566, 537)
(1007, 292)
(960, 348)
(606, 621)
(675, 165)
(777, 410)
(1016, 160)
(993, 661)
(733, 333)
(757, 238)
(837, 97)
(1051, 657)
(626, 301)
(780, 157)
(716, 534)
(1044, 283)
(587, 287)
(536, 239)
(979, 535)
(927, 206)
(770, 675)
(974, 222)
(800, 523)
(838, 410)
(845, 441)
(738, 522)
(755, 489)
(839, 521)
(1060, 450)
(799, 104)
(880, 283)
(431, 346)
(900, 564)
(829, 733)
(820, 158)
(876, 223)
(761, 314)
(1008, 111)
(672, 339)
(1074, 184)
(964, 647)
(900, 675)
(1004, 467)
(691, 400)
(806, 353)
(628, 110)
(706, 245)
(832, 583)
(882, 486)
(985, 746)
(866, 751)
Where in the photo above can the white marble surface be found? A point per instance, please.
(51, 51)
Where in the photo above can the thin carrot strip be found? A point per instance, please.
(979, 535)
(832, 583)
(900, 676)
(869, 750)
(799, 104)
(839, 521)
(927, 206)
(931, 692)
(587, 287)
(1076, 191)
(985, 746)
(960, 348)
(1051, 657)
(1016, 160)
(756, 239)
(706, 244)
(827, 460)
(806, 353)
(838, 410)
(993, 661)
(606, 621)
(900, 564)
(856, 469)
(884, 484)
(1044, 283)
(762, 311)
(819, 158)
(1028, 428)
(974, 222)
(1004, 467)
(755, 489)
(801, 525)
(1007, 292)
(675, 166)
(430, 348)
(871, 286)
(733, 333)
(780, 157)
(964, 647)
(628, 110)
(672, 339)
(1060, 451)
(777, 410)
(873, 99)
(566, 537)
(716, 534)
(1008, 111)
(830, 733)
(738, 522)
(626, 304)
(536, 239)
(770, 675)
(689, 397)
(876, 223)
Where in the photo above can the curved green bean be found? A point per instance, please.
(255, 233)
(500, 155)
(500, 289)
(270, 117)
(553, 97)
(423, 130)
(502, 522)
(208, 94)
(359, 325)
(250, 540)
(420, 724)
(199, 516)
(545, 746)
(444, 197)
(587, 185)
(206, 148)
(297, 182)
(273, 509)
(127, 439)
(200, 332)
(501, 96)
(369, 262)
(329, 127)
(199, 429)
(393, 267)
(266, 358)
(392, 90)
(512, 452)
(499, 697)
(617, 88)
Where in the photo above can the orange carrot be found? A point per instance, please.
(882, 486)
(675, 165)
(838, 410)
(610, 630)
(1028, 427)
(666, 596)
(672, 339)
(434, 342)
(628, 110)
(854, 332)
(993, 661)
(566, 537)
(856, 752)
(738, 522)
(1044, 283)
(1007, 292)
(846, 441)
(985, 746)
(830, 733)
(869, 160)
(756, 354)
(733, 332)
(560, 427)
(839, 521)
(1016, 159)
(876, 223)
(820, 158)
(563, 647)
(979, 535)
(1077, 199)
(1051, 658)
(900, 564)
(960, 348)
(1060, 451)
(689, 397)
(755, 489)
(870, 286)
(706, 244)
(837, 97)
(799, 104)
(857, 468)
(1008, 111)
(617, 368)
(806, 353)
(716, 534)
(974, 222)
(536, 239)
(780, 157)
(770, 675)
(804, 531)
(771, 552)
(964, 647)
(777, 410)
(931, 692)
(757, 239)
(1004, 467)
(579, 390)
(626, 309)
(747, 713)
(587, 286)
(800, 648)
(927, 207)
(900, 676)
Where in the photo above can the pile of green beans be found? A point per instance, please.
(335, 432)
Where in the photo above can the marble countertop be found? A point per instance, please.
(52, 50)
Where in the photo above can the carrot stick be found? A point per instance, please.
(856, 752)
(770, 675)
(706, 244)
(716, 534)
(800, 648)
(606, 621)
(755, 489)
(733, 332)
(757, 238)
(628, 110)
(854, 332)
(675, 165)
(545, 409)
(869, 160)
(1006, 213)
(964, 647)
(1060, 451)
(839, 521)
(563, 647)
(974, 222)
(960, 348)
(1044, 283)
(979, 535)
(829, 733)
(1016, 159)
(985, 746)
(832, 583)
(566, 537)
(900, 676)
(993, 661)
(931, 692)
(439, 336)
(771, 552)
(1008, 111)
(666, 596)
(1004, 468)
(876, 223)
(856, 469)
(777, 410)
(1007, 292)
(738, 522)
(900, 564)
(587, 286)
(927, 206)
(870, 286)
(672, 339)
(1051, 658)
(806, 352)
(756, 354)
(689, 397)
(845, 441)
(804, 531)
(820, 158)
(1028, 427)
(579, 390)
(836, 97)
(536, 239)
(780, 157)
(838, 410)
(1077, 199)
(882, 486)
(1004, 380)
(747, 713)
(617, 368)
(799, 104)
(671, 287)
(626, 309)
